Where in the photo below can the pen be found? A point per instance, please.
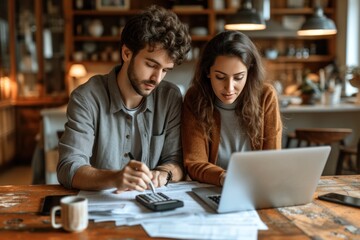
(131, 156)
(151, 185)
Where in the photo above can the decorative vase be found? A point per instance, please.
(79, 4)
(96, 28)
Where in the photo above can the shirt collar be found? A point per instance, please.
(116, 102)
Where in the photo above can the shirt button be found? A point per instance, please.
(126, 155)
(128, 136)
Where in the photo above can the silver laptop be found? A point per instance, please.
(267, 179)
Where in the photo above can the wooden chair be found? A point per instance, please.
(323, 136)
(289, 138)
(59, 133)
(345, 153)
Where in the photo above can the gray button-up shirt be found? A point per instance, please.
(95, 133)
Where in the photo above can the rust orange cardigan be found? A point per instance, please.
(200, 154)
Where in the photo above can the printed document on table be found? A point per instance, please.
(107, 205)
(195, 231)
(193, 221)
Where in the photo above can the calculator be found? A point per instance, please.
(158, 201)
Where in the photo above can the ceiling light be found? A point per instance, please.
(318, 24)
(245, 19)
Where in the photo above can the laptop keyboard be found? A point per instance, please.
(215, 198)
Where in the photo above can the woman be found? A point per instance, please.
(227, 108)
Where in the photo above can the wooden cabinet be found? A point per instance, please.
(28, 123)
(32, 48)
(7, 133)
(32, 62)
(36, 30)
(205, 19)
(7, 113)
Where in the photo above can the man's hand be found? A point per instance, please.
(159, 178)
(134, 176)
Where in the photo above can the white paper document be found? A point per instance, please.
(193, 221)
(195, 231)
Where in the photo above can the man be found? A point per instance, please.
(129, 113)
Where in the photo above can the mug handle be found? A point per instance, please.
(53, 220)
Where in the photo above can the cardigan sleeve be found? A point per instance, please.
(198, 160)
(272, 130)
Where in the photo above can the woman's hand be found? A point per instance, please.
(222, 178)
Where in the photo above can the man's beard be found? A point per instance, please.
(136, 83)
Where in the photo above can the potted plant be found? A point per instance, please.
(309, 91)
(355, 81)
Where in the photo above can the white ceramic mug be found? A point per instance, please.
(74, 214)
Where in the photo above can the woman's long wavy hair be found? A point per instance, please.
(248, 109)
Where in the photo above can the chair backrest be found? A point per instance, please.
(321, 136)
(59, 133)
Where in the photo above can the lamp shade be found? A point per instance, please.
(245, 19)
(318, 24)
(77, 71)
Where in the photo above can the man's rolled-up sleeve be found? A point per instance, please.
(75, 145)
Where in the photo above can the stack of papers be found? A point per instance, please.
(193, 221)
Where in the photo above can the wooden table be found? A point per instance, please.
(20, 219)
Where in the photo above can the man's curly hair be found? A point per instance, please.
(157, 26)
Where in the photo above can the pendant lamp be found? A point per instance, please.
(246, 18)
(318, 24)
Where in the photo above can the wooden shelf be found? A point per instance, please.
(116, 39)
(227, 11)
(97, 39)
(41, 101)
(104, 13)
(291, 35)
(193, 12)
(310, 59)
(87, 62)
(298, 11)
(5, 103)
(201, 38)
(136, 11)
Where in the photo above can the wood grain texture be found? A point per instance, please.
(20, 219)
